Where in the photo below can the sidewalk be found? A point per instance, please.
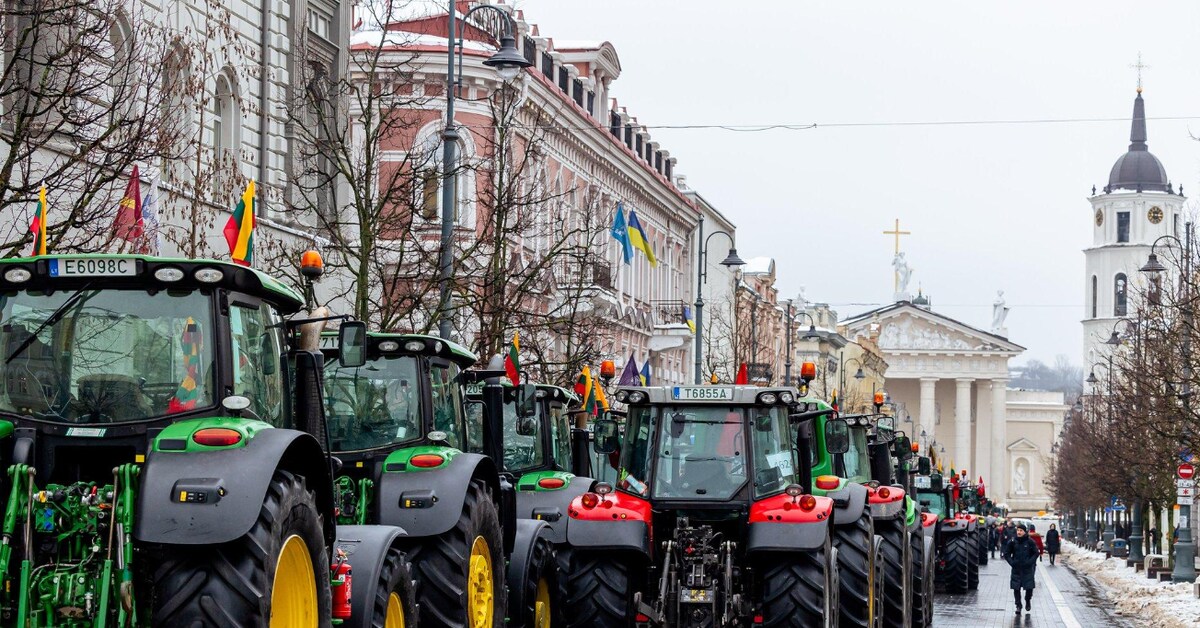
(1061, 599)
(1148, 602)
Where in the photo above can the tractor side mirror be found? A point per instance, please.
(604, 435)
(903, 447)
(526, 400)
(885, 429)
(837, 436)
(923, 465)
(352, 344)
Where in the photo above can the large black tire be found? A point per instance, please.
(897, 572)
(921, 579)
(230, 585)
(855, 543)
(800, 589)
(599, 591)
(973, 561)
(395, 579)
(985, 539)
(955, 563)
(442, 563)
(542, 607)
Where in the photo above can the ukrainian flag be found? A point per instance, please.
(638, 238)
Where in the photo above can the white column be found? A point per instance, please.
(962, 426)
(999, 469)
(928, 409)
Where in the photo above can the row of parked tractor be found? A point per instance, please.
(186, 445)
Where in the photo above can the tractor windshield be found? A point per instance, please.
(699, 453)
(935, 502)
(858, 462)
(105, 356)
(374, 405)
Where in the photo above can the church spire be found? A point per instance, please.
(1137, 132)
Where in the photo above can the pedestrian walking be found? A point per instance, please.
(1053, 543)
(1021, 554)
(1007, 536)
(994, 537)
(1037, 539)
(1155, 541)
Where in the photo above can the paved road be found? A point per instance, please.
(1061, 599)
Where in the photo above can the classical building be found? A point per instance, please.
(1138, 205)
(952, 377)
(761, 332)
(1035, 419)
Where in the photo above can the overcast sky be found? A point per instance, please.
(990, 206)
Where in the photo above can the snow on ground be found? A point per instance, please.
(1148, 602)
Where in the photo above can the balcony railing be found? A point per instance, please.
(575, 273)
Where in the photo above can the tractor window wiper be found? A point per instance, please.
(50, 320)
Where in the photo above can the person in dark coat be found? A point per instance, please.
(1009, 533)
(1053, 543)
(993, 538)
(1155, 541)
(1022, 555)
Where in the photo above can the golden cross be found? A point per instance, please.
(1139, 66)
(897, 232)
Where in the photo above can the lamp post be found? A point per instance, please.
(808, 335)
(508, 63)
(1185, 549)
(731, 261)
(859, 374)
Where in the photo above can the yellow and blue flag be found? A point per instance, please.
(620, 232)
(688, 319)
(638, 238)
(645, 374)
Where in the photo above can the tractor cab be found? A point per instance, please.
(707, 512)
(537, 428)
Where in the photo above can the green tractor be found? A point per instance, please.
(886, 570)
(167, 465)
(414, 455)
(709, 523)
(958, 534)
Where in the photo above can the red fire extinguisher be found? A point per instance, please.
(341, 586)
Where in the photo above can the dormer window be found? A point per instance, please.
(530, 51)
(548, 65)
(563, 77)
(615, 124)
(577, 91)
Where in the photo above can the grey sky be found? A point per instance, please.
(991, 206)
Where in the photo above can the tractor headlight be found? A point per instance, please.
(637, 396)
(168, 274)
(17, 275)
(414, 346)
(622, 396)
(768, 398)
(786, 397)
(389, 345)
(208, 275)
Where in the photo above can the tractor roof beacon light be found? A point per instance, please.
(879, 397)
(311, 265)
(714, 380)
(808, 372)
(608, 370)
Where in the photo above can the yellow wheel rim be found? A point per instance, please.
(481, 600)
(395, 612)
(541, 607)
(294, 590)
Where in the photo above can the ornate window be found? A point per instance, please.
(1120, 289)
(1095, 294)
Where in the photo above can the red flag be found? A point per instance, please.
(743, 375)
(128, 224)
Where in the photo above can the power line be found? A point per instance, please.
(1053, 305)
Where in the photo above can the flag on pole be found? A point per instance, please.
(512, 361)
(581, 385)
(38, 226)
(586, 388)
(129, 224)
(743, 375)
(688, 319)
(620, 232)
(239, 231)
(150, 220)
(629, 374)
(638, 238)
(601, 400)
(833, 401)
(645, 374)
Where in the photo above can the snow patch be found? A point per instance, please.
(1148, 602)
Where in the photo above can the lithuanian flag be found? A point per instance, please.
(586, 389)
(38, 225)
(512, 361)
(239, 231)
(601, 399)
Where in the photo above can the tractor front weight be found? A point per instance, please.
(75, 548)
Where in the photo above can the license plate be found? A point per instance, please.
(921, 481)
(702, 393)
(92, 267)
(696, 596)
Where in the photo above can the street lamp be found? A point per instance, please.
(508, 63)
(811, 334)
(1185, 550)
(731, 261)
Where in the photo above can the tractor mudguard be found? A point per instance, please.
(521, 560)
(853, 498)
(366, 548)
(620, 522)
(551, 505)
(211, 497)
(890, 507)
(428, 502)
(784, 537)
